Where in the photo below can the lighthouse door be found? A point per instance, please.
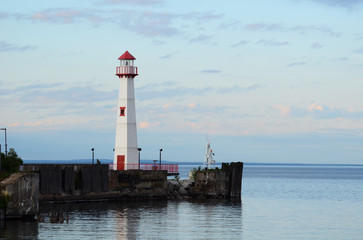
(120, 162)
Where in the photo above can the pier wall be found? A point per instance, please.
(23, 189)
(77, 182)
(149, 184)
(74, 182)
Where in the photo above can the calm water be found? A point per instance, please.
(278, 202)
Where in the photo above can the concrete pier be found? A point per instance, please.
(80, 183)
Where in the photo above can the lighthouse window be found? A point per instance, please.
(122, 111)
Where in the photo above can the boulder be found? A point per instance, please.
(186, 183)
(182, 191)
(173, 185)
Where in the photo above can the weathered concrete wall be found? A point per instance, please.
(23, 189)
(214, 183)
(97, 182)
(139, 183)
(211, 184)
(234, 172)
(59, 179)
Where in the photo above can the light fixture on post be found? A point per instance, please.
(93, 155)
(139, 149)
(160, 158)
(6, 144)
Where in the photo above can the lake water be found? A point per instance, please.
(278, 202)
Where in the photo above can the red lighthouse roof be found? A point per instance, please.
(126, 56)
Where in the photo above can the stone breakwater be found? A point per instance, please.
(80, 183)
(223, 183)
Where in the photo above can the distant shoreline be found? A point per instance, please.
(108, 161)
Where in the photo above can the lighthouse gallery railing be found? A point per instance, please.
(126, 70)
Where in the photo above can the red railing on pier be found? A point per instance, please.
(126, 70)
(171, 168)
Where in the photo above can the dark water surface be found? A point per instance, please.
(278, 202)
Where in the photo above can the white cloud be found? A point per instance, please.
(284, 110)
(315, 106)
(8, 47)
(191, 105)
(148, 124)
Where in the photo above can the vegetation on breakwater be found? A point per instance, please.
(10, 164)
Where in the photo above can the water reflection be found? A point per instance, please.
(212, 219)
(17, 229)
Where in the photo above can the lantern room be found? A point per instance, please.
(126, 68)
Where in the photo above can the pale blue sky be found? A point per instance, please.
(269, 81)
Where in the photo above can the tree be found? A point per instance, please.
(12, 162)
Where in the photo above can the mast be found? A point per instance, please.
(209, 155)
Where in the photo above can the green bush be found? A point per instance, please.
(11, 163)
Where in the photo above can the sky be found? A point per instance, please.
(268, 81)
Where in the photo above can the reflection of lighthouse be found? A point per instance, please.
(126, 135)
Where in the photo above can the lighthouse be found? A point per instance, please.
(126, 156)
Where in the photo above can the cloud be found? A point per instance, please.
(58, 15)
(341, 3)
(243, 42)
(211, 71)
(302, 29)
(237, 89)
(316, 46)
(180, 91)
(315, 106)
(263, 27)
(136, 2)
(169, 90)
(36, 86)
(202, 17)
(50, 94)
(342, 59)
(151, 24)
(191, 105)
(359, 51)
(358, 36)
(148, 124)
(234, 25)
(320, 111)
(293, 64)
(9, 47)
(309, 28)
(44, 123)
(272, 42)
(284, 110)
(4, 15)
(167, 56)
(145, 23)
(201, 38)
(165, 106)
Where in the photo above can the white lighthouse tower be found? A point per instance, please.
(126, 136)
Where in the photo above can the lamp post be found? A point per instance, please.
(93, 155)
(6, 144)
(160, 158)
(139, 149)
